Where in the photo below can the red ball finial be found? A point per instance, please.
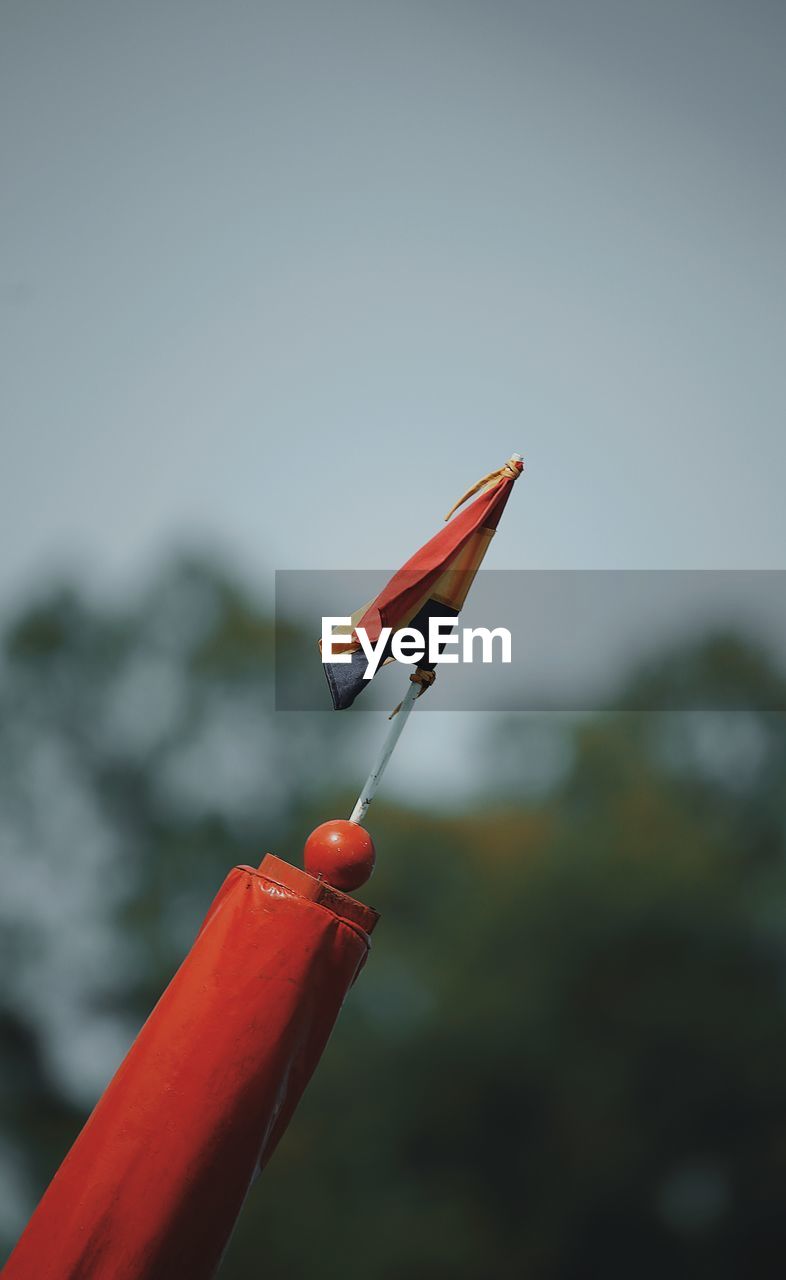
(341, 853)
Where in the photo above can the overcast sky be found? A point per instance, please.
(288, 276)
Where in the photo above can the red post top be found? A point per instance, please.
(341, 904)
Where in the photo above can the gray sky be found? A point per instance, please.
(290, 276)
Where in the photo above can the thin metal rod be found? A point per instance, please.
(383, 755)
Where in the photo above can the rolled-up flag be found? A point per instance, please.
(154, 1183)
(434, 582)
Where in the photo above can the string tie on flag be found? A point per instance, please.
(424, 678)
(511, 470)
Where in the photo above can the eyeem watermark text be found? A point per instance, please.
(443, 644)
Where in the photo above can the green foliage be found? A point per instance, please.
(566, 1056)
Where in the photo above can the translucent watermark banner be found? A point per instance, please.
(579, 640)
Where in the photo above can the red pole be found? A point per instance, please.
(153, 1184)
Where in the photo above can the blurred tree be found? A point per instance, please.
(567, 1057)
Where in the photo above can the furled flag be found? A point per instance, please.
(153, 1185)
(433, 583)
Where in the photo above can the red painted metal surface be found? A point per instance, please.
(342, 852)
(153, 1185)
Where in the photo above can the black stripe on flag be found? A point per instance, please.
(345, 679)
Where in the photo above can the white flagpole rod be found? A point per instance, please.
(402, 715)
(385, 752)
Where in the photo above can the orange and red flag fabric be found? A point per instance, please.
(153, 1184)
(434, 582)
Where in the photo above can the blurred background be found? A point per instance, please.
(278, 282)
